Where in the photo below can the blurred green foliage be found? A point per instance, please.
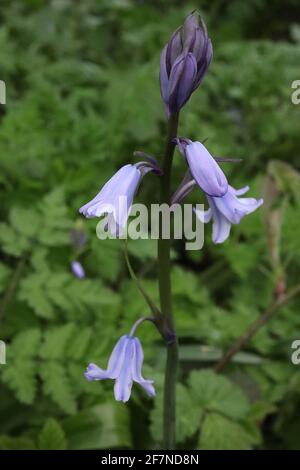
(82, 95)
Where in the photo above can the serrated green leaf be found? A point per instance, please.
(32, 291)
(56, 384)
(19, 375)
(143, 249)
(26, 344)
(12, 242)
(102, 251)
(54, 230)
(221, 433)
(56, 342)
(188, 415)
(48, 292)
(79, 343)
(213, 392)
(25, 221)
(52, 436)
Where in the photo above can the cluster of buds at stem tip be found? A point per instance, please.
(184, 62)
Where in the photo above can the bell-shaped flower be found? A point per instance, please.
(125, 367)
(115, 198)
(203, 167)
(227, 210)
(184, 62)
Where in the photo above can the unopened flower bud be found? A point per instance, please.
(184, 62)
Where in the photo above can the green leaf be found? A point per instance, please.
(19, 375)
(25, 222)
(57, 385)
(241, 259)
(12, 242)
(103, 426)
(56, 342)
(26, 344)
(221, 433)
(143, 249)
(33, 293)
(188, 415)
(206, 354)
(261, 409)
(80, 341)
(213, 392)
(46, 292)
(101, 251)
(16, 443)
(52, 436)
(56, 224)
(187, 285)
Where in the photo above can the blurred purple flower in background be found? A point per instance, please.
(125, 366)
(78, 237)
(227, 210)
(184, 62)
(77, 269)
(204, 169)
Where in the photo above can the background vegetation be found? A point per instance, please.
(82, 95)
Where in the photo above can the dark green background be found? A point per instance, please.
(82, 95)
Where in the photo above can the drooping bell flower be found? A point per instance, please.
(78, 269)
(125, 367)
(184, 62)
(203, 167)
(115, 198)
(226, 210)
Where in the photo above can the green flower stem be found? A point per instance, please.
(164, 279)
(155, 311)
(139, 322)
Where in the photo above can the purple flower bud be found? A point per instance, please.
(181, 80)
(77, 269)
(227, 210)
(115, 198)
(125, 367)
(184, 62)
(204, 169)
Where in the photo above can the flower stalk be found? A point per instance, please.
(164, 279)
(155, 311)
(184, 63)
